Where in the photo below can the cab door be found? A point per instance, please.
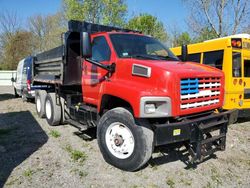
(93, 76)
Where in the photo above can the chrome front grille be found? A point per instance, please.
(199, 92)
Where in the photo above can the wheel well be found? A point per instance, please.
(109, 102)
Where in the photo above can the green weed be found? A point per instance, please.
(28, 173)
(79, 172)
(55, 133)
(186, 182)
(215, 176)
(170, 183)
(83, 174)
(76, 155)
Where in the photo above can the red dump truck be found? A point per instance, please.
(134, 90)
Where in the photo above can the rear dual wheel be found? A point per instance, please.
(40, 96)
(53, 111)
(47, 107)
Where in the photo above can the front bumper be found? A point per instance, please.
(190, 129)
(198, 134)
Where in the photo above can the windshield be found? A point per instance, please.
(143, 47)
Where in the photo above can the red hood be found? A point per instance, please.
(167, 76)
(165, 80)
(181, 68)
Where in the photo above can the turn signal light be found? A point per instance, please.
(28, 85)
(240, 82)
(236, 43)
(235, 81)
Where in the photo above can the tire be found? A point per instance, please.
(136, 140)
(65, 112)
(53, 112)
(15, 93)
(24, 98)
(40, 96)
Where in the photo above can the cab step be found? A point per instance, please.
(82, 116)
(78, 125)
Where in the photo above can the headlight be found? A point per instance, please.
(154, 107)
(149, 108)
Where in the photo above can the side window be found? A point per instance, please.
(194, 57)
(214, 58)
(19, 72)
(247, 68)
(100, 49)
(236, 64)
(24, 74)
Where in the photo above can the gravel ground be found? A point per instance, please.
(33, 154)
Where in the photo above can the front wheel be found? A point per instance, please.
(122, 142)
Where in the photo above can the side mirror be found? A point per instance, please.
(86, 47)
(13, 79)
(184, 52)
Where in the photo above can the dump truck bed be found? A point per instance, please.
(61, 65)
(48, 66)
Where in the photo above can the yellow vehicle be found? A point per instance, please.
(232, 55)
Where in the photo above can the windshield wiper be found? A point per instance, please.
(167, 57)
(145, 56)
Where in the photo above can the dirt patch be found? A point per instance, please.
(33, 154)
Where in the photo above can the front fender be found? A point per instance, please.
(131, 92)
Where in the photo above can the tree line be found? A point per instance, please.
(207, 19)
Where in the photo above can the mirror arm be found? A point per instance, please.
(110, 68)
(184, 52)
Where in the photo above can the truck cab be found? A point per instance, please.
(139, 61)
(135, 91)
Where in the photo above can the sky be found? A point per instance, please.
(168, 11)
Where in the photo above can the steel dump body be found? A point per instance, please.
(48, 67)
(61, 65)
